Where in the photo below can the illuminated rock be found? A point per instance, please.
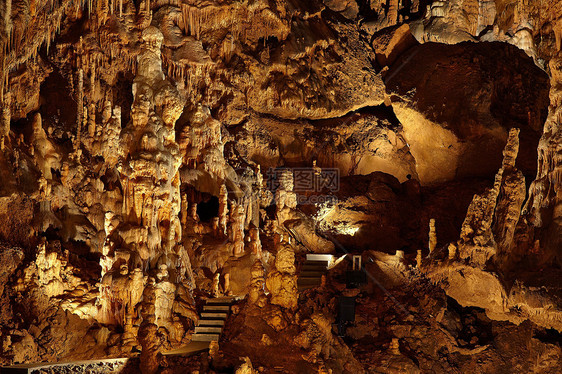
(282, 282)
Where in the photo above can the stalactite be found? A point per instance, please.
(4, 76)
(392, 13)
(48, 40)
(80, 109)
(8, 19)
(59, 18)
(92, 120)
(92, 79)
(193, 18)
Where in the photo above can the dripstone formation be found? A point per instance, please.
(326, 186)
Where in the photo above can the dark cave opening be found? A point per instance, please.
(549, 336)
(55, 90)
(208, 208)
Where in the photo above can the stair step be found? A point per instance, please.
(308, 273)
(221, 300)
(302, 288)
(216, 308)
(207, 329)
(218, 304)
(325, 257)
(205, 337)
(210, 322)
(305, 278)
(317, 262)
(212, 315)
(315, 265)
(309, 281)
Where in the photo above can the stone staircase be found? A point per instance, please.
(312, 270)
(212, 318)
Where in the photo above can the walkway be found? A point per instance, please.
(209, 327)
(311, 272)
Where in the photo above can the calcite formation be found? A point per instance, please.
(282, 282)
(478, 242)
(487, 243)
(543, 205)
(326, 186)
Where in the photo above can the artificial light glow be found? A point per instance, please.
(346, 229)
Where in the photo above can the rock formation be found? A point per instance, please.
(164, 162)
(486, 243)
(478, 242)
(282, 282)
(543, 205)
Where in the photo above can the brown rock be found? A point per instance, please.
(456, 105)
(391, 42)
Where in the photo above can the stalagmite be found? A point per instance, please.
(148, 168)
(282, 282)
(394, 346)
(6, 117)
(129, 332)
(512, 196)
(285, 198)
(256, 294)
(432, 236)
(452, 251)
(254, 242)
(148, 331)
(47, 157)
(478, 242)
(223, 209)
(184, 209)
(237, 218)
(392, 13)
(165, 294)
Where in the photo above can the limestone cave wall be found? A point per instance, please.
(156, 155)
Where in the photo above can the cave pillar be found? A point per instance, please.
(6, 118)
(79, 109)
(223, 209)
